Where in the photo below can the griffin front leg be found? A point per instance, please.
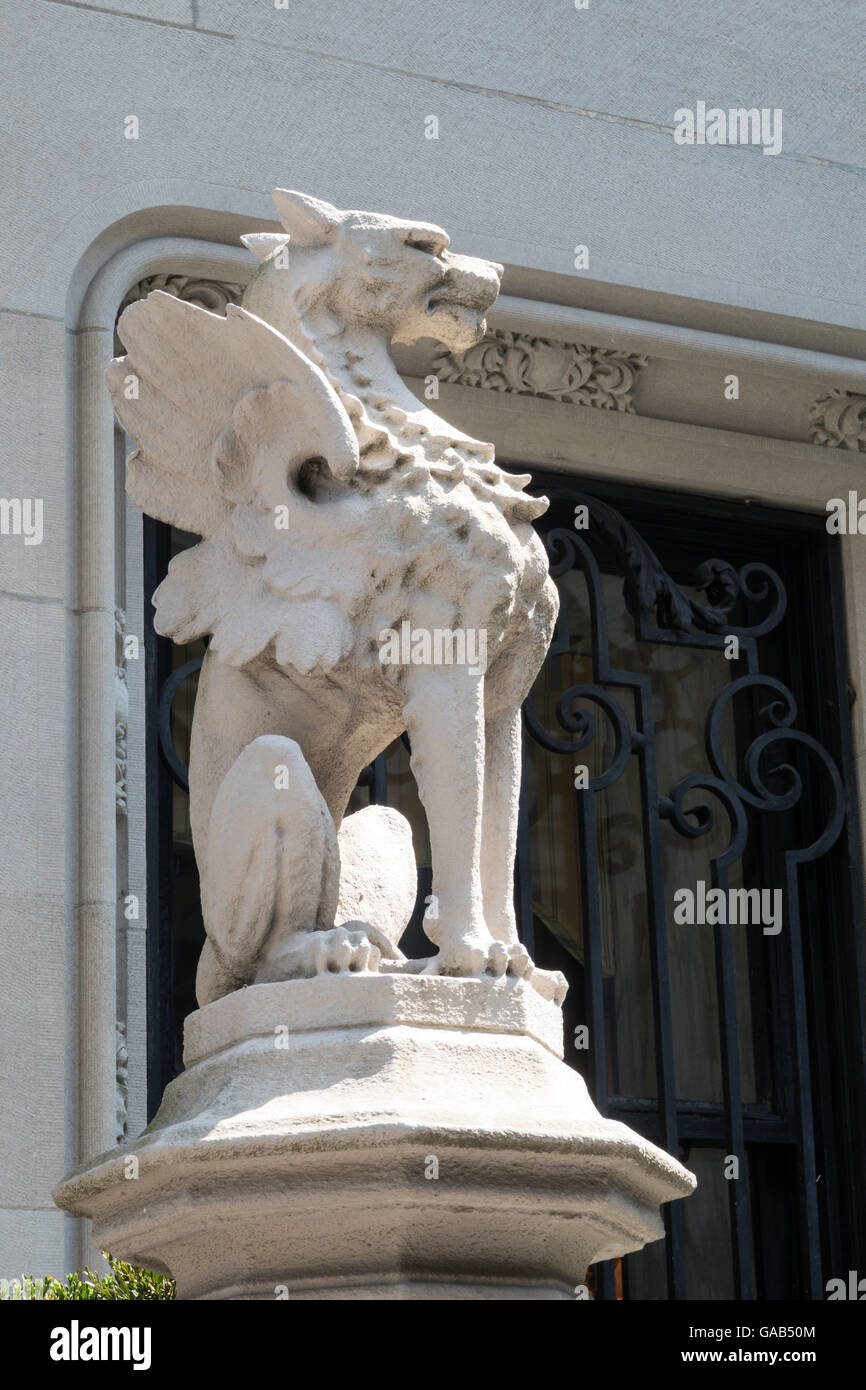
(502, 767)
(444, 716)
(502, 773)
(503, 762)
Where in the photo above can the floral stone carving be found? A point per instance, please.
(215, 295)
(121, 713)
(839, 421)
(557, 371)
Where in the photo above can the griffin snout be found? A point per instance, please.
(468, 282)
(455, 307)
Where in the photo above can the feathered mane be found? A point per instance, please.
(389, 437)
(226, 412)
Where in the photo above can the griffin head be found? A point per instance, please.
(395, 277)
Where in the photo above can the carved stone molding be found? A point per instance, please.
(570, 372)
(510, 1136)
(121, 1076)
(121, 712)
(838, 420)
(214, 295)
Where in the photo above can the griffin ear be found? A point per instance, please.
(262, 244)
(308, 221)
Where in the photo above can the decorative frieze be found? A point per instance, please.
(838, 420)
(214, 295)
(570, 372)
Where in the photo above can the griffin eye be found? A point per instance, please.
(429, 248)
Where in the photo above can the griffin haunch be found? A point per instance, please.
(438, 646)
(736, 906)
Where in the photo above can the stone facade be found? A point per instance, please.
(158, 129)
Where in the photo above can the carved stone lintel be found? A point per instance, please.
(838, 420)
(570, 372)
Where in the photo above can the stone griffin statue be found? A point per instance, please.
(334, 507)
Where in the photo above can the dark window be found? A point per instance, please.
(720, 1043)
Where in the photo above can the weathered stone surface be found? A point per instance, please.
(365, 569)
(271, 841)
(378, 876)
(378, 1137)
(326, 1003)
(342, 521)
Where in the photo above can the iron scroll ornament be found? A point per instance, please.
(663, 613)
(647, 590)
(762, 785)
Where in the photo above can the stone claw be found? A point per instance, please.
(496, 958)
(550, 984)
(351, 949)
(348, 950)
(520, 962)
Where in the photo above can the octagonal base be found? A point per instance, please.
(377, 1136)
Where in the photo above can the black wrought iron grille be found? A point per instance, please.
(654, 761)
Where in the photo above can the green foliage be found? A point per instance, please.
(124, 1281)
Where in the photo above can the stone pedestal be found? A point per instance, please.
(377, 1136)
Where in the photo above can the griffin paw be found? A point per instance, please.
(477, 959)
(487, 958)
(345, 950)
(352, 949)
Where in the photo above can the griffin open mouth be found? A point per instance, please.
(449, 300)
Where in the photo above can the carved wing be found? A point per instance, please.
(176, 391)
(225, 412)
